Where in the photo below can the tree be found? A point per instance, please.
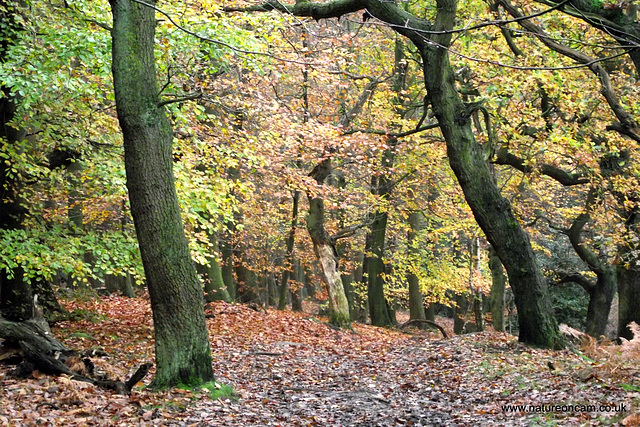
(15, 293)
(498, 284)
(324, 247)
(466, 157)
(181, 339)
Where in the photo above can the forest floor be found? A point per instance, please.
(291, 369)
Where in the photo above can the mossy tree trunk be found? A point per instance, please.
(493, 212)
(379, 310)
(181, 340)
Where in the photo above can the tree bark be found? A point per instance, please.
(629, 299)
(289, 258)
(296, 294)
(181, 339)
(325, 250)
(498, 285)
(227, 266)
(601, 294)
(214, 287)
(476, 295)
(375, 242)
(416, 299)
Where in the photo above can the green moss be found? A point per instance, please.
(215, 389)
(339, 320)
(220, 391)
(597, 4)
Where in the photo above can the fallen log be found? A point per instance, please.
(43, 352)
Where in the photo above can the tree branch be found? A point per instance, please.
(504, 157)
(565, 277)
(627, 125)
(188, 97)
(394, 134)
(350, 230)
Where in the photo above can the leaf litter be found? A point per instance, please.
(292, 369)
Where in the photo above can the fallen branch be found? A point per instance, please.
(426, 322)
(43, 352)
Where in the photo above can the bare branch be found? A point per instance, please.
(387, 133)
(176, 98)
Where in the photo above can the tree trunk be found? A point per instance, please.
(378, 307)
(181, 339)
(325, 250)
(629, 299)
(498, 285)
(493, 213)
(246, 287)
(120, 284)
(476, 295)
(214, 287)
(416, 299)
(375, 242)
(309, 285)
(289, 259)
(600, 300)
(601, 294)
(15, 293)
(628, 275)
(227, 267)
(296, 294)
(460, 313)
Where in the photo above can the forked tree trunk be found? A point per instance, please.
(325, 250)
(181, 339)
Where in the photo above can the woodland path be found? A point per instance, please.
(292, 369)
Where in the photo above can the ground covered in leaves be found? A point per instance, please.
(292, 369)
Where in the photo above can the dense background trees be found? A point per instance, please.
(260, 104)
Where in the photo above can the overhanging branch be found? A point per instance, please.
(504, 157)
